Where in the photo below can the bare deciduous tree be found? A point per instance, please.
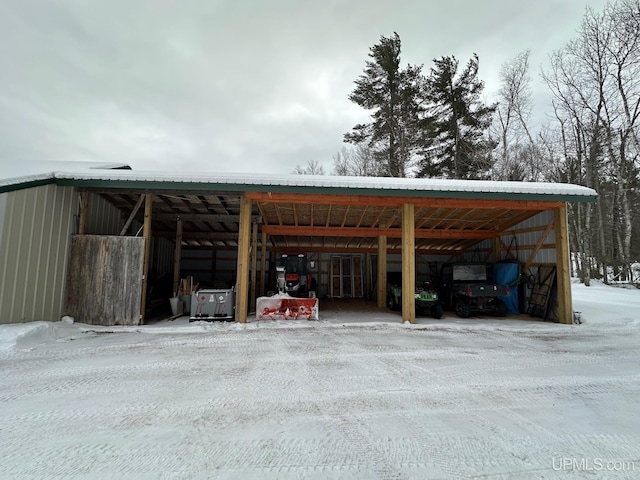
(313, 168)
(595, 80)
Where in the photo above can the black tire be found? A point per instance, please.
(436, 311)
(462, 309)
(392, 304)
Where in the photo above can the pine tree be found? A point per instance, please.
(393, 95)
(455, 125)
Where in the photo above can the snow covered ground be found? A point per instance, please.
(349, 396)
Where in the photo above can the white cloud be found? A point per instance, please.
(245, 86)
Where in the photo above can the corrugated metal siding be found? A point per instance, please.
(164, 256)
(544, 255)
(3, 206)
(35, 246)
(104, 218)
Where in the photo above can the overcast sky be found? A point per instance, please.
(233, 86)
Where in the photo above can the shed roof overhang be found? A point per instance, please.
(330, 213)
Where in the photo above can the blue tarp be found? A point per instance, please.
(508, 273)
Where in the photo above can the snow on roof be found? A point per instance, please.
(18, 173)
(22, 175)
(292, 182)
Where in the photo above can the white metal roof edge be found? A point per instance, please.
(41, 172)
(323, 181)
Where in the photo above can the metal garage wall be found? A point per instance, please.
(545, 254)
(3, 207)
(211, 265)
(103, 218)
(162, 253)
(524, 244)
(33, 252)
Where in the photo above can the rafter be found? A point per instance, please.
(344, 217)
(374, 232)
(359, 222)
(362, 200)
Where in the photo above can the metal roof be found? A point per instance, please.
(324, 212)
(406, 187)
(319, 212)
(20, 175)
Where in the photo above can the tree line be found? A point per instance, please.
(436, 124)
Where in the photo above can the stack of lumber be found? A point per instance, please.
(187, 286)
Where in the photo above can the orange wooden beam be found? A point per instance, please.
(373, 232)
(367, 200)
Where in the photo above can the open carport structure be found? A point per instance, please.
(257, 214)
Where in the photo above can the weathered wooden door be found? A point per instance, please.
(357, 277)
(104, 279)
(336, 278)
(346, 276)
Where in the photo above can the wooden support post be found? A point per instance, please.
(408, 264)
(263, 264)
(497, 248)
(254, 264)
(565, 310)
(84, 213)
(242, 270)
(382, 271)
(132, 216)
(367, 276)
(177, 256)
(147, 248)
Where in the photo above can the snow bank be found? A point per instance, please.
(601, 304)
(29, 335)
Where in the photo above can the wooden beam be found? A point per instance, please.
(176, 257)
(202, 217)
(262, 213)
(133, 215)
(148, 206)
(328, 217)
(565, 309)
(278, 211)
(382, 271)
(287, 230)
(198, 235)
(254, 264)
(429, 215)
(344, 218)
(497, 249)
(263, 263)
(408, 263)
(519, 218)
(539, 244)
(359, 222)
(383, 201)
(242, 279)
(351, 250)
(84, 213)
(377, 219)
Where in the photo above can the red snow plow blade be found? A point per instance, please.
(284, 307)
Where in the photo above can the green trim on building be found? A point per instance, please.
(152, 185)
(21, 186)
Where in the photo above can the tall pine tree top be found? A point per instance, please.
(391, 92)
